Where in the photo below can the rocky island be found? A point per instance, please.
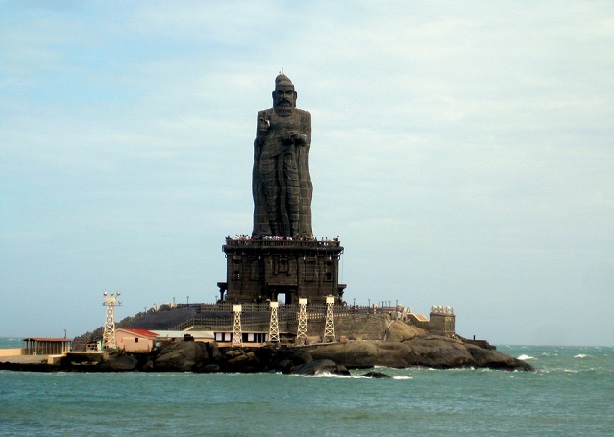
(404, 346)
(281, 307)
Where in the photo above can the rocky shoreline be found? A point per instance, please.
(429, 351)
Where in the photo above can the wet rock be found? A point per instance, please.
(286, 360)
(375, 375)
(493, 359)
(318, 367)
(211, 368)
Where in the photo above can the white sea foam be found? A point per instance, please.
(580, 356)
(402, 377)
(525, 357)
(325, 374)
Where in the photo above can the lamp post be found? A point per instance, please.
(108, 336)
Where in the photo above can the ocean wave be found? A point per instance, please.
(325, 374)
(580, 356)
(525, 357)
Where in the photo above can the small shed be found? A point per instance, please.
(45, 346)
(135, 339)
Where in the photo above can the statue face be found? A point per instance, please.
(284, 97)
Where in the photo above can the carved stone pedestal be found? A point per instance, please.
(261, 270)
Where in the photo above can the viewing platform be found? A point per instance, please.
(240, 242)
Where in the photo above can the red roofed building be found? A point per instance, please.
(135, 339)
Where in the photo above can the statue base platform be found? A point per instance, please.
(261, 270)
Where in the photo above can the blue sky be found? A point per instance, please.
(462, 151)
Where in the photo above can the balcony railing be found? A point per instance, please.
(245, 242)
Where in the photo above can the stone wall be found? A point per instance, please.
(360, 327)
(443, 324)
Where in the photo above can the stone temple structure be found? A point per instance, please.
(282, 259)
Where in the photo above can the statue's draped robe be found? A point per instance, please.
(269, 147)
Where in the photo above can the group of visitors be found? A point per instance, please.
(325, 241)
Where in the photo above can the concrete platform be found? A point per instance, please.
(25, 359)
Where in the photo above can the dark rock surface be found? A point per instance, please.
(378, 375)
(119, 363)
(211, 368)
(319, 367)
(364, 354)
(427, 350)
(493, 359)
(185, 356)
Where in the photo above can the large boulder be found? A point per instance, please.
(184, 356)
(289, 359)
(243, 361)
(429, 351)
(493, 359)
(214, 352)
(440, 352)
(377, 375)
(446, 353)
(364, 354)
(399, 331)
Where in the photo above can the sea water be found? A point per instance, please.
(571, 393)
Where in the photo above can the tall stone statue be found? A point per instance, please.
(281, 183)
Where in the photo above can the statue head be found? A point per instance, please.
(284, 96)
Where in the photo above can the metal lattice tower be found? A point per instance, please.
(329, 328)
(274, 325)
(108, 336)
(237, 334)
(301, 334)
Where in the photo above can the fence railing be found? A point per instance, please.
(253, 315)
(281, 243)
(313, 308)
